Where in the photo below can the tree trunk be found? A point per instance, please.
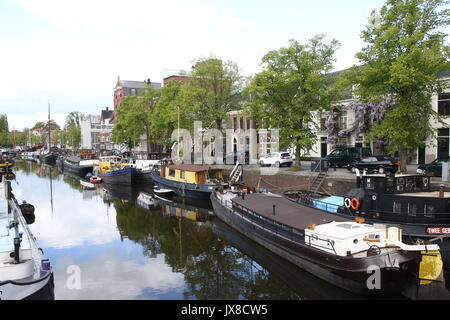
(403, 155)
(147, 137)
(297, 156)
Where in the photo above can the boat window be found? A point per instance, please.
(397, 207)
(172, 172)
(429, 210)
(370, 185)
(344, 225)
(182, 174)
(212, 175)
(410, 184)
(412, 209)
(390, 184)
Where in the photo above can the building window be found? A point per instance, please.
(322, 128)
(248, 124)
(241, 123)
(444, 104)
(343, 120)
(133, 91)
(234, 124)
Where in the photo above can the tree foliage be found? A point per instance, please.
(134, 118)
(292, 86)
(404, 55)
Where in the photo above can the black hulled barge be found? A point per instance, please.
(336, 249)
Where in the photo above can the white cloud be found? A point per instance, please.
(21, 121)
(126, 279)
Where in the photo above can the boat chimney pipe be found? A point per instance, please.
(441, 191)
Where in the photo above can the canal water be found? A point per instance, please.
(119, 243)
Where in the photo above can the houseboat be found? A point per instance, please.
(404, 200)
(24, 271)
(336, 249)
(113, 170)
(78, 166)
(188, 180)
(6, 165)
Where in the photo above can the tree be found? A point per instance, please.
(134, 118)
(293, 85)
(172, 107)
(404, 54)
(4, 131)
(72, 130)
(214, 89)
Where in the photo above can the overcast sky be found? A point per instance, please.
(69, 53)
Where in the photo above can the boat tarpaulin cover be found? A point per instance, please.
(330, 204)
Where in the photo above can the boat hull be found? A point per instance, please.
(183, 189)
(352, 274)
(76, 168)
(40, 289)
(125, 176)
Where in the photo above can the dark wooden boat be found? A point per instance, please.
(78, 166)
(404, 200)
(191, 181)
(333, 248)
(49, 159)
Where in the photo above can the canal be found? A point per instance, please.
(122, 243)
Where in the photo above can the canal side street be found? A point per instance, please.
(277, 180)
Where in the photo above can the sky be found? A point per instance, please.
(69, 53)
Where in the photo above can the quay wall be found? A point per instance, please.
(282, 182)
(279, 183)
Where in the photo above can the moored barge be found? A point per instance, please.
(190, 181)
(335, 249)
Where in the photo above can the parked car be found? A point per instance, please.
(277, 159)
(433, 168)
(343, 156)
(375, 165)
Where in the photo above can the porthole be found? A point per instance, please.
(355, 241)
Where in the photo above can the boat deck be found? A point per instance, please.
(286, 211)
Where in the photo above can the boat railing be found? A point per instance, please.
(405, 217)
(289, 232)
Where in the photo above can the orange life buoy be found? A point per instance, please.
(355, 204)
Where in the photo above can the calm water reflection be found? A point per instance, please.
(130, 247)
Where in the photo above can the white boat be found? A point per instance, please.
(162, 191)
(24, 271)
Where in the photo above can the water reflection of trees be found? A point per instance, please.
(212, 268)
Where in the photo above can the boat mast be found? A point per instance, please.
(49, 129)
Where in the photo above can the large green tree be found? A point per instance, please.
(404, 53)
(292, 86)
(134, 118)
(214, 89)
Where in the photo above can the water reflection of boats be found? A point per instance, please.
(177, 206)
(24, 272)
(123, 192)
(146, 200)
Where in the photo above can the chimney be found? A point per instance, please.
(107, 108)
(148, 81)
